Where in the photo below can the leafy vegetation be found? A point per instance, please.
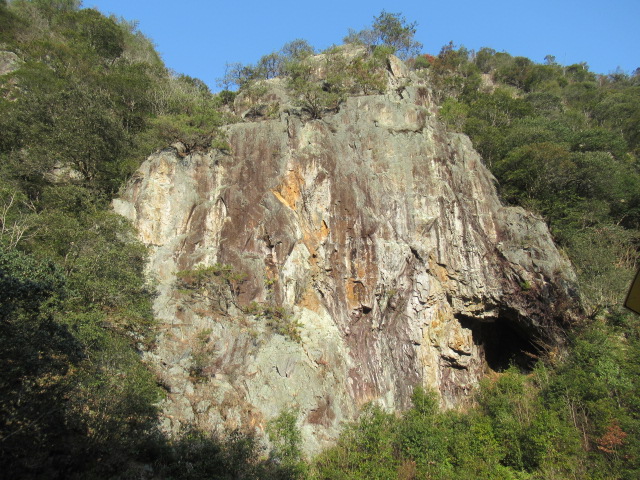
(389, 30)
(562, 142)
(552, 423)
(550, 135)
(89, 98)
(344, 71)
(85, 103)
(287, 443)
(278, 319)
(216, 284)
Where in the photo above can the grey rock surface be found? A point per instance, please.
(383, 236)
(9, 62)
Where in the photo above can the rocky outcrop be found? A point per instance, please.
(9, 62)
(373, 233)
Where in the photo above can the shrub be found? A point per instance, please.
(278, 318)
(218, 284)
(285, 438)
(389, 29)
(421, 62)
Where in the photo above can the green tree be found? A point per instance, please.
(484, 59)
(36, 352)
(297, 49)
(9, 22)
(287, 442)
(389, 29)
(454, 113)
(536, 174)
(102, 34)
(312, 95)
(579, 72)
(365, 450)
(393, 30)
(516, 72)
(422, 436)
(55, 6)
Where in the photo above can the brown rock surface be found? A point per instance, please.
(379, 231)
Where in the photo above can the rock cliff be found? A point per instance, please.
(354, 256)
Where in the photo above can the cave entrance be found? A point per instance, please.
(503, 344)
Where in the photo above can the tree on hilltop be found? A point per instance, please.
(391, 30)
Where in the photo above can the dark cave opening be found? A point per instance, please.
(503, 344)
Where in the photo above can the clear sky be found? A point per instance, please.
(198, 37)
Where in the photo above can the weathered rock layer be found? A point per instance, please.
(378, 231)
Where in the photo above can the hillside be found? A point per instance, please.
(325, 236)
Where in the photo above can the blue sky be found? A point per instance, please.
(197, 37)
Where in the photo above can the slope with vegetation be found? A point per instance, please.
(562, 142)
(86, 99)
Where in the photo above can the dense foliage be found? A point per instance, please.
(572, 419)
(562, 142)
(86, 99)
(389, 30)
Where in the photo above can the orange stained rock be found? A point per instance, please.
(310, 301)
(458, 341)
(442, 316)
(314, 237)
(439, 271)
(289, 191)
(256, 419)
(356, 293)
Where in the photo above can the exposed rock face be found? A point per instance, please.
(380, 232)
(9, 62)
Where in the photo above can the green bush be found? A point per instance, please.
(286, 441)
(421, 63)
(389, 30)
(217, 284)
(279, 319)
